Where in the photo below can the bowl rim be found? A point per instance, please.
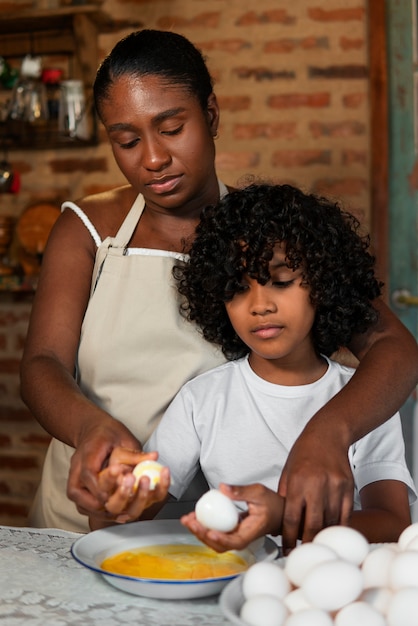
(169, 527)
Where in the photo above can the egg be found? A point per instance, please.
(359, 613)
(347, 542)
(216, 511)
(376, 566)
(412, 544)
(265, 577)
(404, 570)
(152, 469)
(296, 601)
(408, 534)
(378, 597)
(402, 609)
(263, 610)
(306, 556)
(310, 617)
(333, 584)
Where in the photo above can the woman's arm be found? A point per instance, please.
(317, 481)
(47, 369)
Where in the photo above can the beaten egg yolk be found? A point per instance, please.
(175, 562)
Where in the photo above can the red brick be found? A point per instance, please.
(225, 45)
(68, 166)
(336, 15)
(13, 509)
(276, 130)
(4, 488)
(351, 44)
(234, 103)
(237, 160)
(5, 441)
(278, 16)
(37, 439)
(9, 366)
(18, 463)
(11, 414)
(290, 45)
(351, 157)
(300, 158)
(354, 100)
(263, 73)
(205, 20)
(339, 188)
(350, 128)
(339, 72)
(295, 100)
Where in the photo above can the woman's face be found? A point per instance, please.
(162, 141)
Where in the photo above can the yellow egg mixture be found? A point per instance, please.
(175, 562)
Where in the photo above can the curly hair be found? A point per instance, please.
(238, 235)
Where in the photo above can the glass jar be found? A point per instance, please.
(73, 119)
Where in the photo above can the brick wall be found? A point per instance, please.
(292, 82)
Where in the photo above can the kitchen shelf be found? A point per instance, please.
(69, 31)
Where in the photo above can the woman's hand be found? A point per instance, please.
(92, 454)
(318, 486)
(264, 516)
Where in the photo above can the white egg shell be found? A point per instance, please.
(333, 584)
(264, 610)
(378, 597)
(216, 511)
(412, 544)
(409, 533)
(404, 570)
(152, 469)
(359, 614)
(310, 617)
(296, 601)
(305, 556)
(376, 566)
(265, 577)
(402, 609)
(347, 542)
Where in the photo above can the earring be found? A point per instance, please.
(215, 136)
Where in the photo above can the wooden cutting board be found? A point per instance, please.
(32, 232)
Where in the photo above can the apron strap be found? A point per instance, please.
(128, 226)
(120, 241)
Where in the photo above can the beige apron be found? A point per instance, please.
(135, 352)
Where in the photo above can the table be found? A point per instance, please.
(41, 584)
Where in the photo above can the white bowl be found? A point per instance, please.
(91, 549)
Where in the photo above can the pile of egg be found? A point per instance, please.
(338, 579)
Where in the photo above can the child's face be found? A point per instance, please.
(274, 320)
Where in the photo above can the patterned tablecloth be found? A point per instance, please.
(41, 584)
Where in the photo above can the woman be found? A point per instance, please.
(107, 348)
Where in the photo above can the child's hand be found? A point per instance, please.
(264, 516)
(121, 462)
(127, 498)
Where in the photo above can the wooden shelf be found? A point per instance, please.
(18, 284)
(70, 31)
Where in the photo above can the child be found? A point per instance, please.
(280, 280)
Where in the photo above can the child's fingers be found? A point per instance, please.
(107, 479)
(132, 497)
(130, 458)
(119, 499)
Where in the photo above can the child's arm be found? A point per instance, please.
(265, 510)
(385, 511)
(126, 498)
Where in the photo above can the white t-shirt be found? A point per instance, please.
(240, 428)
